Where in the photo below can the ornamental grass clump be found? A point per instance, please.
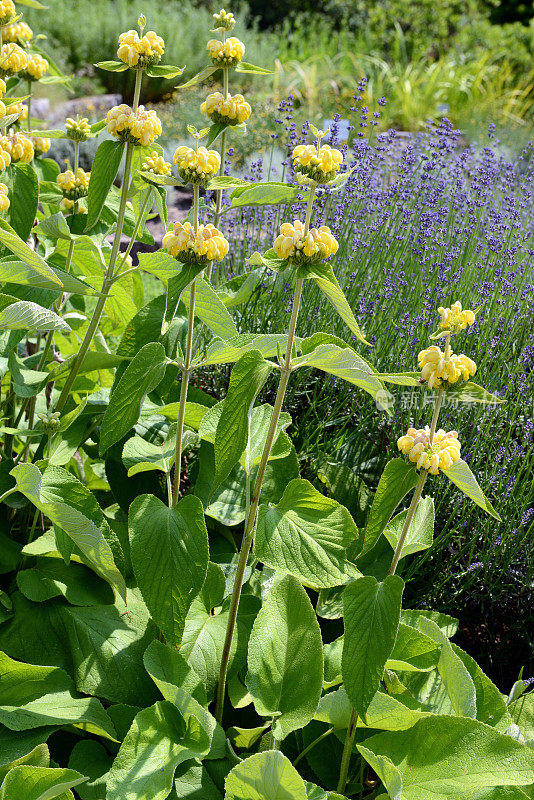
(182, 614)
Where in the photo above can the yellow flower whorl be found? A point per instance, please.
(18, 32)
(78, 130)
(20, 109)
(441, 454)
(196, 166)
(232, 111)
(296, 248)
(142, 127)
(207, 244)
(156, 164)
(73, 185)
(13, 59)
(41, 145)
(140, 52)
(321, 165)
(435, 368)
(455, 319)
(19, 147)
(4, 199)
(226, 54)
(36, 68)
(7, 12)
(5, 155)
(72, 206)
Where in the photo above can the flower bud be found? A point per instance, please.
(7, 12)
(196, 166)
(224, 20)
(41, 145)
(293, 246)
(78, 130)
(233, 110)
(156, 164)
(226, 54)
(67, 206)
(441, 454)
(454, 319)
(36, 68)
(207, 244)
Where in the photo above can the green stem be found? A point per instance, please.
(106, 286)
(133, 238)
(312, 745)
(6, 494)
(347, 752)
(186, 372)
(137, 89)
(309, 210)
(76, 164)
(409, 516)
(251, 518)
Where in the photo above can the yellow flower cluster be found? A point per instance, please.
(7, 11)
(69, 206)
(20, 109)
(4, 199)
(73, 185)
(297, 248)
(140, 127)
(78, 129)
(13, 59)
(36, 68)
(441, 454)
(156, 164)
(207, 244)
(321, 165)
(436, 367)
(232, 111)
(19, 147)
(226, 54)
(196, 166)
(41, 145)
(224, 19)
(5, 156)
(18, 32)
(140, 52)
(455, 319)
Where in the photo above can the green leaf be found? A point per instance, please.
(343, 363)
(112, 66)
(169, 551)
(166, 71)
(420, 534)
(100, 647)
(449, 625)
(371, 612)
(175, 289)
(460, 474)
(33, 696)
(91, 759)
(414, 651)
(23, 187)
(140, 455)
(455, 676)
(103, 172)
(491, 706)
(74, 509)
(16, 245)
(38, 757)
(161, 264)
(211, 310)
(198, 78)
(445, 756)
(472, 393)
(157, 742)
(265, 776)
(306, 535)
(22, 274)
(264, 194)
(226, 182)
(141, 376)
(244, 67)
(54, 227)
(51, 577)
(26, 316)
(225, 352)
(328, 284)
(39, 783)
(522, 711)
(285, 658)
(193, 782)
(247, 377)
(384, 712)
(397, 479)
(205, 630)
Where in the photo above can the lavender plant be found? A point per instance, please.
(150, 645)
